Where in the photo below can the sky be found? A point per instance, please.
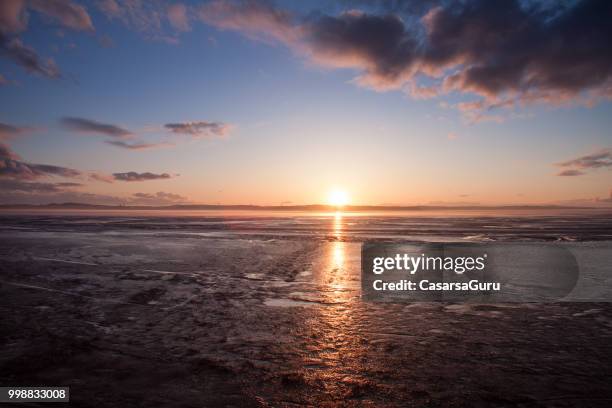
(259, 102)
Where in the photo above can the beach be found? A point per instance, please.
(243, 310)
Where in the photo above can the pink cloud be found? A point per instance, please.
(177, 15)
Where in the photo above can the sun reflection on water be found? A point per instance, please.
(336, 275)
(337, 227)
(338, 255)
(335, 338)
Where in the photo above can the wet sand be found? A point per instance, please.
(158, 319)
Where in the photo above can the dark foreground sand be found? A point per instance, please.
(165, 321)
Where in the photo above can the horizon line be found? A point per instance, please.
(296, 207)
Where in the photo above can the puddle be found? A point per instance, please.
(304, 274)
(255, 276)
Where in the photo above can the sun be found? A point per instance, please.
(338, 198)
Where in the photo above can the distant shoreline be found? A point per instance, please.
(313, 207)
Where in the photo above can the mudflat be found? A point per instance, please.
(154, 317)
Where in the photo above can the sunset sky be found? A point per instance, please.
(253, 102)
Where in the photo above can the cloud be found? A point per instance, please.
(12, 186)
(570, 173)
(200, 129)
(134, 176)
(11, 166)
(105, 129)
(7, 153)
(105, 178)
(22, 170)
(150, 18)
(27, 58)
(91, 126)
(136, 146)
(580, 165)
(140, 15)
(14, 20)
(9, 131)
(510, 53)
(378, 45)
(69, 14)
(12, 16)
(599, 159)
(109, 7)
(177, 15)
(257, 19)
(49, 170)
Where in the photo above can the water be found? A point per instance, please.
(427, 225)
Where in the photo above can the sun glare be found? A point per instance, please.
(338, 198)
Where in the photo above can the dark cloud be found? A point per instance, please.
(136, 146)
(580, 165)
(379, 44)
(134, 176)
(508, 53)
(26, 57)
(91, 126)
(599, 159)
(509, 50)
(22, 170)
(11, 166)
(49, 170)
(570, 173)
(7, 185)
(200, 129)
